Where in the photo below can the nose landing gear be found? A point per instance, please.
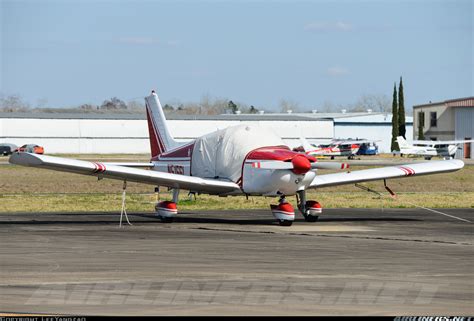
(283, 212)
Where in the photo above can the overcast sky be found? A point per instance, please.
(74, 52)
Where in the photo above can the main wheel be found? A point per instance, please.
(285, 222)
(311, 218)
(166, 219)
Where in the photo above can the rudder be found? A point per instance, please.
(160, 137)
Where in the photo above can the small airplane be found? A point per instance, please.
(430, 148)
(238, 160)
(338, 147)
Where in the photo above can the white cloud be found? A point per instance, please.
(324, 26)
(337, 71)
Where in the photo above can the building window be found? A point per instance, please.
(421, 119)
(433, 119)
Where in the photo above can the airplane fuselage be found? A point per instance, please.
(253, 179)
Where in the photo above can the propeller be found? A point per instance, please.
(299, 164)
(329, 165)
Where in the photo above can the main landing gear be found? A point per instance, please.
(283, 212)
(310, 209)
(167, 210)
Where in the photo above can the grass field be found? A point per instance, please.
(28, 189)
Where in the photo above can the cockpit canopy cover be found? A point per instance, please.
(221, 154)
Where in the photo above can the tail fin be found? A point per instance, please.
(160, 138)
(306, 145)
(402, 142)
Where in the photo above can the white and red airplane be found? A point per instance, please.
(347, 148)
(239, 160)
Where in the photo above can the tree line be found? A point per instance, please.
(206, 106)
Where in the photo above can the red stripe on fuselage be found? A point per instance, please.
(182, 153)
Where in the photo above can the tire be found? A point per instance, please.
(311, 218)
(285, 222)
(166, 219)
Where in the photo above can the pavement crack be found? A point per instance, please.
(335, 236)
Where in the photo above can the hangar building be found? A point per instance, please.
(447, 120)
(128, 133)
(91, 133)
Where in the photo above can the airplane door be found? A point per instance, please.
(467, 148)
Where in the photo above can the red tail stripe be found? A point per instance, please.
(158, 140)
(154, 144)
(157, 131)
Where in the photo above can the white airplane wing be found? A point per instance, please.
(441, 142)
(197, 184)
(135, 165)
(386, 173)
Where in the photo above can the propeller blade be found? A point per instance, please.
(273, 165)
(329, 165)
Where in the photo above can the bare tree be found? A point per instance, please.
(136, 106)
(379, 103)
(113, 103)
(287, 105)
(13, 103)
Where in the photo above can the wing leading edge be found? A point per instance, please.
(374, 174)
(112, 171)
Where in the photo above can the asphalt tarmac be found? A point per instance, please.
(351, 262)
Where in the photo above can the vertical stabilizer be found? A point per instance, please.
(402, 143)
(306, 145)
(160, 137)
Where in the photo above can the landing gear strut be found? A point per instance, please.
(283, 212)
(309, 209)
(167, 210)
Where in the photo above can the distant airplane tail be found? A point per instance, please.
(306, 145)
(402, 142)
(160, 137)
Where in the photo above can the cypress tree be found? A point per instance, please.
(394, 145)
(421, 135)
(401, 111)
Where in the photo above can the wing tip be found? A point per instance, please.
(25, 159)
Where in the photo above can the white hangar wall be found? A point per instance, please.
(107, 136)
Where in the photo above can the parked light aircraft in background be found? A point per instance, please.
(239, 160)
(430, 148)
(337, 147)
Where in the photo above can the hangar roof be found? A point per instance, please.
(137, 116)
(360, 117)
(458, 102)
